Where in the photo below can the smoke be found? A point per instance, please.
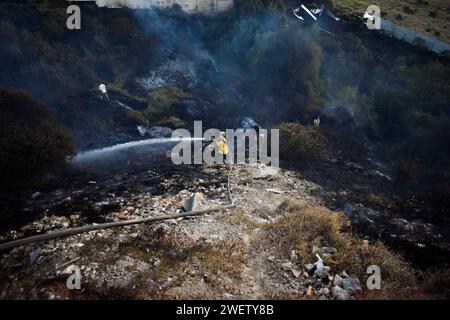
(249, 64)
(245, 62)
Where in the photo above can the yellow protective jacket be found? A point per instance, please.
(222, 145)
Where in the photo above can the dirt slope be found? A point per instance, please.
(431, 17)
(264, 248)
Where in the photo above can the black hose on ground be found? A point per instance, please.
(70, 232)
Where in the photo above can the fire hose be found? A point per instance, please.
(74, 231)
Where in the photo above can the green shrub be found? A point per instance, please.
(162, 103)
(31, 142)
(171, 122)
(298, 142)
(130, 119)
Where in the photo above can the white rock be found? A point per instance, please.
(338, 281)
(351, 285)
(294, 255)
(324, 291)
(340, 294)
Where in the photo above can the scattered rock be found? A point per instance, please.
(309, 291)
(340, 294)
(277, 191)
(353, 166)
(296, 273)
(77, 245)
(309, 267)
(294, 255)
(324, 251)
(34, 255)
(338, 281)
(344, 274)
(313, 279)
(377, 173)
(69, 270)
(193, 203)
(319, 263)
(287, 266)
(322, 273)
(264, 172)
(351, 285)
(35, 195)
(155, 131)
(361, 214)
(324, 292)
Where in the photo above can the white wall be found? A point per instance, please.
(186, 5)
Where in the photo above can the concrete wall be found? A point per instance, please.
(186, 5)
(223, 5)
(413, 37)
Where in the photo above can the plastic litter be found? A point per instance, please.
(296, 11)
(309, 12)
(319, 263)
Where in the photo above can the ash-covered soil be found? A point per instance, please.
(268, 246)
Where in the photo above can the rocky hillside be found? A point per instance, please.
(364, 181)
(280, 241)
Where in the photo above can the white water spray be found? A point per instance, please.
(90, 155)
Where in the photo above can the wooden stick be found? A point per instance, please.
(65, 264)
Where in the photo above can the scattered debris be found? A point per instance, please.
(130, 256)
(296, 273)
(338, 281)
(309, 267)
(193, 203)
(35, 195)
(351, 285)
(353, 166)
(68, 262)
(309, 12)
(294, 255)
(277, 191)
(319, 263)
(263, 172)
(34, 255)
(340, 294)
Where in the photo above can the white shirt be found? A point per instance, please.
(102, 88)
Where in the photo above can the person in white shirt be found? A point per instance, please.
(103, 92)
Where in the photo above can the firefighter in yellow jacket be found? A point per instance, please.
(221, 143)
